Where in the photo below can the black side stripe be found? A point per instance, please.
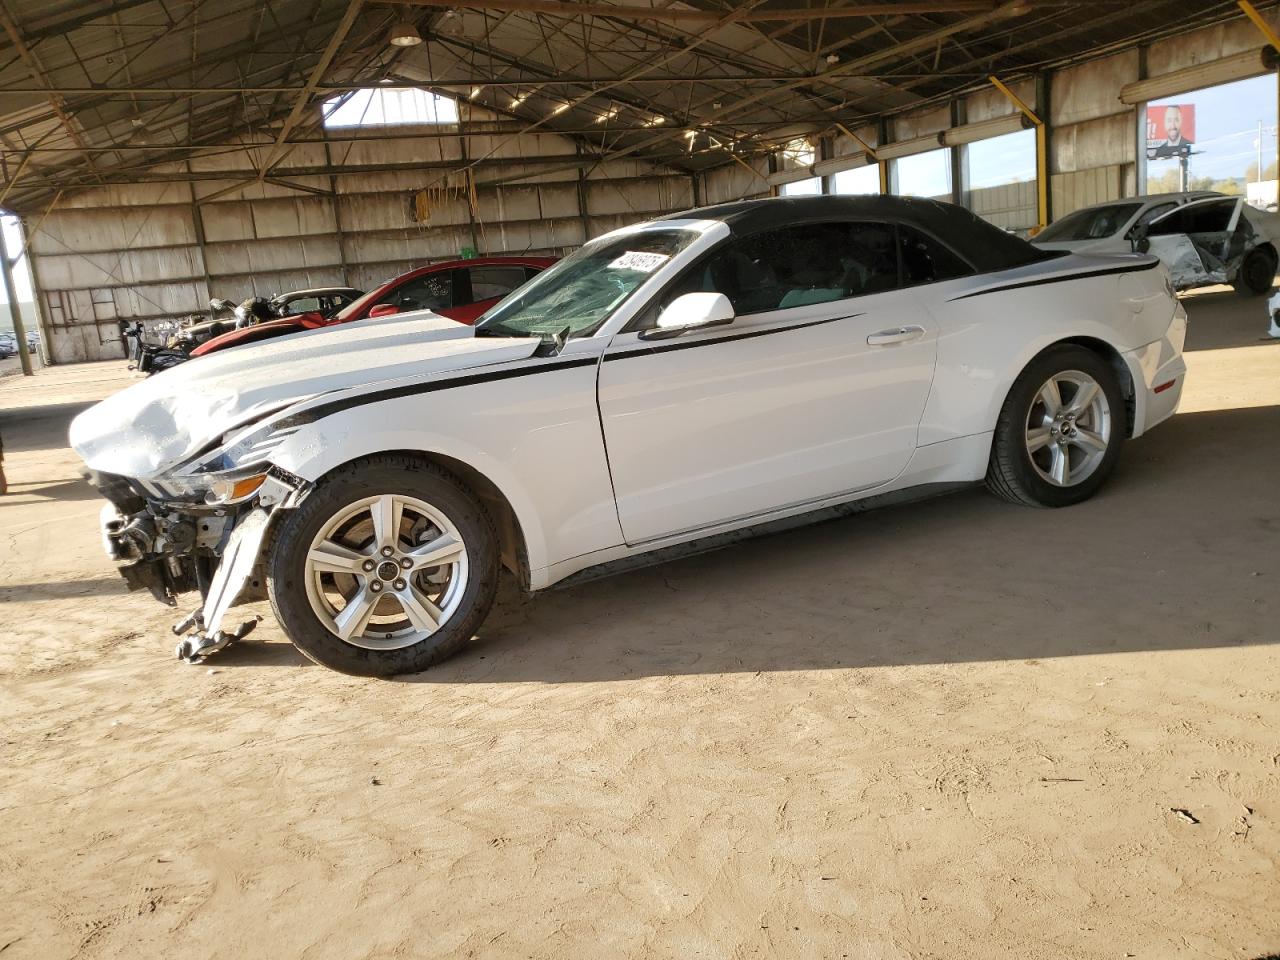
(431, 386)
(659, 347)
(1134, 268)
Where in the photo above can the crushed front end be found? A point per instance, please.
(199, 532)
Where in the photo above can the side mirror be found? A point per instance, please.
(1138, 238)
(691, 311)
(383, 310)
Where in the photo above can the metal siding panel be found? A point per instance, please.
(1091, 90)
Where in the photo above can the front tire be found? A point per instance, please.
(387, 567)
(1059, 431)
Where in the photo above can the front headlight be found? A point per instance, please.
(230, 472)
(231, 489)
(213, 488)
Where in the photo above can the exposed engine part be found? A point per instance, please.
(134, 538)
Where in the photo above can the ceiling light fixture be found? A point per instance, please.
(405, 35)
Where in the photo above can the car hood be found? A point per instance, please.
(156, 424)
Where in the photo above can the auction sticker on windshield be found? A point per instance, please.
(642, 262)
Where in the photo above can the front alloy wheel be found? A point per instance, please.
(386, 572)
(388, 566)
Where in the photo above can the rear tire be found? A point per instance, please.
(1060, 430)
(1257, 273)
(392, 551)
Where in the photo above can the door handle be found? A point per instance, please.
(894, 335)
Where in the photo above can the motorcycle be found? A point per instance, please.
(147, 357)
(188, 335)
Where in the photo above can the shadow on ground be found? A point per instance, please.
(1224, 318)
(1155, 562)
(61, 590)
(42, 427)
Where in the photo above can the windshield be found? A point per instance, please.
(583, 290)
(1093, 223)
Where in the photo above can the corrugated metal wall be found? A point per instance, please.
(162, 250)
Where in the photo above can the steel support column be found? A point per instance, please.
(1042, 152)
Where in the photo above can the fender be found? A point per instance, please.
(536, 439)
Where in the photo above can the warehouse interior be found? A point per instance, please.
(943, 729)
(161, 154)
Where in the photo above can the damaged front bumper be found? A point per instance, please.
(174, 547)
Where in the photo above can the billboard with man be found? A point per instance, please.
(1171, 130)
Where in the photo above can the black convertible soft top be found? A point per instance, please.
(988, 248)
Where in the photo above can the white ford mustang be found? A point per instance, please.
(669, 385)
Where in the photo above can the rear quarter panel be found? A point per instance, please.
(988, 335)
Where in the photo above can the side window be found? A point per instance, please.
(489, 283)
(1196, 218)
(925, 260)
(797, 266)
(1159, 210)
(302, 305)
(432, 292)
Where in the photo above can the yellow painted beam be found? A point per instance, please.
(1042, 152)
(1260, 23)
(1015, 100)
(871, 151)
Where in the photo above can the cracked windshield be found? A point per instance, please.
(582, 291)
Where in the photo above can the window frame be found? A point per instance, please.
(647, 317)
(469, 283)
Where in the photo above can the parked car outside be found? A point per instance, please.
(670, 385)
(458, 289)
(1203, 238)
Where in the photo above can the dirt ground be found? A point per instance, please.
(952, 729)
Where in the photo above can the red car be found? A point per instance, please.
(459, 289)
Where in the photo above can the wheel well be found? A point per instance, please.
(511, 540)
(1123, 375)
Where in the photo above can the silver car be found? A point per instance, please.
(1203, 238)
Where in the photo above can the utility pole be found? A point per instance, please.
(1259, 144)
(19, 331)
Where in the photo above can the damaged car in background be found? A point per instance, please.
(671, 386)
(1203, 239)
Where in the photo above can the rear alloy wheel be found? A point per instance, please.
(1257, 273)
(387, 567)
(1060, 430)
(1068, 428)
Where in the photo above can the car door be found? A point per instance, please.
(1199, 240)
(814, 390)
